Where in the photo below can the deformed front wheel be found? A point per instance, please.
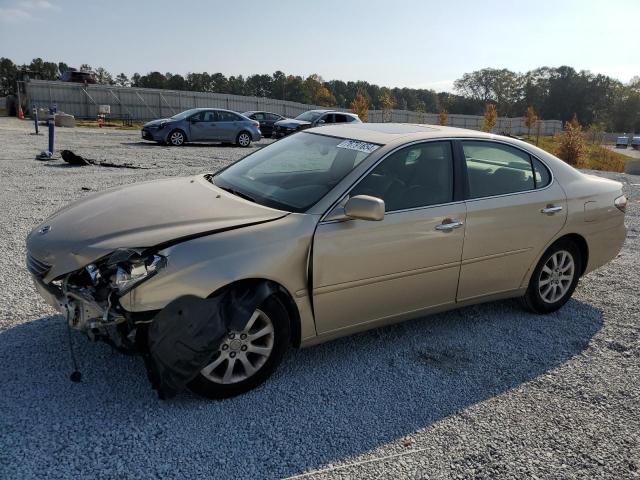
(247, 358)
(555, 278)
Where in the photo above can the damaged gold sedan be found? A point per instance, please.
(325, 233)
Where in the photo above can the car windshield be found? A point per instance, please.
(310, 116)
(294, 173)
(185, 114)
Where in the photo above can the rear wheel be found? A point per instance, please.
(243, 139)
(246, 358)
(555, 278)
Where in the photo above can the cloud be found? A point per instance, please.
(25, 10)
(14, 15)
(36, 5)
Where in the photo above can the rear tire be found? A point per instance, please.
(211, 383)
(555, 278)
(243, 139)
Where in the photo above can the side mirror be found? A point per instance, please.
(321, 122)
(364, 207)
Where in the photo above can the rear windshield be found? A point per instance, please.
(294, 173)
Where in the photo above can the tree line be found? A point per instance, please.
(552, 93)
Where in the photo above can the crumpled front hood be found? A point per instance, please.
(140, 215)
(291, 123)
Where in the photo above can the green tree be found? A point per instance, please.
(122, 80)
(8, 77)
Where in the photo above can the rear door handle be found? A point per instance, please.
(551, 209)
(447, 226)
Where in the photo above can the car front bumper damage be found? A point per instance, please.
(175, 342)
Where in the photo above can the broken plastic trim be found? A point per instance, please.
(186, 334)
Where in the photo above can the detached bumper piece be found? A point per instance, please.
(186, 334)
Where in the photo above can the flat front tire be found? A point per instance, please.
(555, 278)
(246, 358)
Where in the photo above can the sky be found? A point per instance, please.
(394, 43)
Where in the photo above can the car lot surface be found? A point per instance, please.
(488, 391)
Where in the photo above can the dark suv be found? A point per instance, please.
(312, 118)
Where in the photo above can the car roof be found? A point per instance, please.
(385, 133)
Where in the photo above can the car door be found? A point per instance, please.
(198, 127)
(228, 126)
(514, 208)
(371, 271)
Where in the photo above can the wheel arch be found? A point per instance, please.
(583, 247)
(186, 137)
(282, 294)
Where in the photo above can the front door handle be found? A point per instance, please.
(551, 209)
(447, 225)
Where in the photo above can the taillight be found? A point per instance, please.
(257, 124)
(621, 203)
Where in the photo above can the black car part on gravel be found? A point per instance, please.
(185, 335)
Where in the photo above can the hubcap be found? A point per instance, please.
(244, 140)
(176, 138)
(243, 353)
(556, 276)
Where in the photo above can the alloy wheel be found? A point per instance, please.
(243, 353)
(556, 276)
(177, 138)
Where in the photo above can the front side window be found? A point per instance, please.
(273, 117)
(209, 116)
(294, 173)
(258, 116)
(417, 176)
(340, 118)
(497, 169)
(328, 118)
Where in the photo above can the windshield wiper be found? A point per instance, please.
(238, 194)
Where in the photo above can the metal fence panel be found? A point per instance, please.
(148, 103)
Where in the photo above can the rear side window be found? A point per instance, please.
(497, 169)
(227, 117)
(542, 175)
(416, 176)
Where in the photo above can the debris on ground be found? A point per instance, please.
(79, 161)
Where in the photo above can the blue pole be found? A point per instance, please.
(35, 118)
(52, 125)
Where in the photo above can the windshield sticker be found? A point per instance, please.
(358, 146)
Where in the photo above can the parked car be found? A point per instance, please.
(328, 232)
(312, 118)
(622, 142)
(78, 76)
(203, 125)
(266, 120)
(635, 143)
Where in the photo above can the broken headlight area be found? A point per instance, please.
(90, 296)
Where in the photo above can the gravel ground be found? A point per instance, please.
(629, 152)
(484, 392)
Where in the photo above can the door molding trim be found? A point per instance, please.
(382, 278)
(495, 255)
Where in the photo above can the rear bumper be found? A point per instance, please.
(605, 245)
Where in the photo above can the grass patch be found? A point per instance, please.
(596, 156)
(117, 124)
